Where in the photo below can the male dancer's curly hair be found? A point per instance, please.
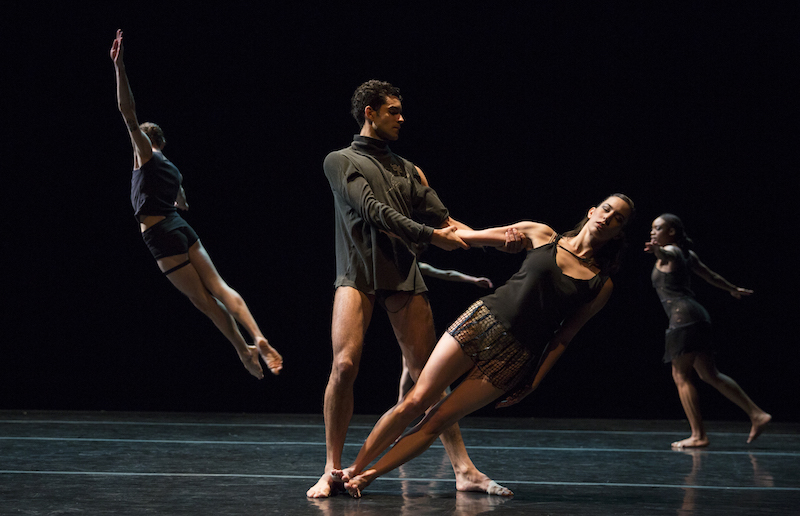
(372, 93)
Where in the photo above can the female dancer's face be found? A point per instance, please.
(661, 233)
(608, 219)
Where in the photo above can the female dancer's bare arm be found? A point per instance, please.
(664, 254)
(534, 234)
(715, 279)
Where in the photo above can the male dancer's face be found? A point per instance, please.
(385, 123)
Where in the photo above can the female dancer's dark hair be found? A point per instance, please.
(609, 257)
(682, 240)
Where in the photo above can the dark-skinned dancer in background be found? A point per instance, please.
(689, 344)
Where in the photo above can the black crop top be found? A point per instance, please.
(155, 186)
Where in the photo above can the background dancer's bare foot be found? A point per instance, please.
(759, 423)
(249, 358)
(271, 357)
(691, 442)
(478, 482)
(327, 486)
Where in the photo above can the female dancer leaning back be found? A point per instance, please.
(509, 340)
(688, 338)
(155, 192)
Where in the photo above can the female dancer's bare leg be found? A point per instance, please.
(412, 322)
(445, 365)
(683, 375)
(468, 397)
(708, 372)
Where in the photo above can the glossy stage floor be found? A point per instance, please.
(174, 463)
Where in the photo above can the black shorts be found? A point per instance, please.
(169, 237)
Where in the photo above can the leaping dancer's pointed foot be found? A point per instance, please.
(759, 423)
(271, 357)
(249, 358)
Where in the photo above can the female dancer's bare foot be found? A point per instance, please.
(691, 442)
(360, 482)
(478, 482)
(271, 357)
(249, 358)
(758, 426)
(342, 475)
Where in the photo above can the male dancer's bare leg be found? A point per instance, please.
(414, 329)
(352, 311)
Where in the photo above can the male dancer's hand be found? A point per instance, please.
(447, 239)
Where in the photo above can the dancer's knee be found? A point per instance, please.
(710, 377)
(412, 406)
(204, 302)
(437, 423)
(344, 370)
(681, 375)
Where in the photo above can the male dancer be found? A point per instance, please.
(381, 210)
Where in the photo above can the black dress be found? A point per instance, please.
(689, 323)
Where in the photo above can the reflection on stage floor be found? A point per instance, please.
(176, 463)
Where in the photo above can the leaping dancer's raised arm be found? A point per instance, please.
(142, 147)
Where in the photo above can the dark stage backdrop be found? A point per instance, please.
(513, 112)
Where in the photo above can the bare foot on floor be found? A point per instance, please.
(759, 424)
(691, 442)
(360, 482)
(325, 487)
(250, 360)
(478, 482)
(271, 357)
(342, 475)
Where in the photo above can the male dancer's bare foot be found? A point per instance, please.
(758, 426)
(326, 486)
(691, 442)
(249, 358)
(271, 357)
(478, 482)
(475, 482)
